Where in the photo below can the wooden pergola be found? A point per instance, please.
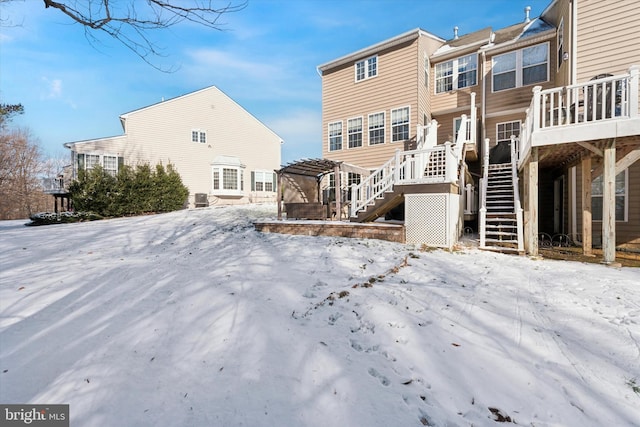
(318, 168)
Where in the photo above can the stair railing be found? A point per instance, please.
(483, 194)
(516, 195)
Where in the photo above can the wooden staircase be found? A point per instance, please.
(380, 206)
(501, 223)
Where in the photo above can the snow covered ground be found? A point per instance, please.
(195, 319)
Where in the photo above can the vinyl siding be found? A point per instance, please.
(395, 86)
(519, 97)
(161, 133)
(607, 37)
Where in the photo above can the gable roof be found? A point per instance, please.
(213, 88)
(373, 49)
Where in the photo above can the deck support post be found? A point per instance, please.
(531, 203)
(609, 203)
(336, 172)
(587, 237)
(279, 196)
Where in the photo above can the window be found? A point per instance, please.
(520, 68)
(229, 179)
(110, 164)
(457, 74)
(92, 160)
(366, 68)
(560, 42)
(354, 132)
(353, 178)
(376, 128)
(621, 197)
(227, 176)
(263, 181)
(400, 124)
(505, 130)
(198, 136)
(335, 136)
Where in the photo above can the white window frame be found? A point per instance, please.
(334, 134)
(504, 124)
(366, 69)
(219, 176)
(262, 181)
(376, 129)
(597, 193)
(199, 136)
(519, 68)
(97, 159)
(353, 131)
(406, 125)
(453, 66)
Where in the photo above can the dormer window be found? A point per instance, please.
(366, 68)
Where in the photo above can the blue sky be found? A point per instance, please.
(265, 60)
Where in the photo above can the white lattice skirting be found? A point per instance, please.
(432, 219)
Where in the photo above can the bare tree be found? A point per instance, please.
(20, 170)
(130, 21)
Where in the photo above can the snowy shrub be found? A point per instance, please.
(132, 191)
(46, 218)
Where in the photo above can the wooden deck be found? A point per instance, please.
(372, 230)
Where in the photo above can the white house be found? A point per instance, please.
(223, 153)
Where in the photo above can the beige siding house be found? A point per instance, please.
(222, 152)
(550, 115)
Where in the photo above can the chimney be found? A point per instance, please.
(526, 14)
(455, 32)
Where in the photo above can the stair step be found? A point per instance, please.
(514, 236)
(501, 227)
(501, 241)
(500, 249)
(501, 219)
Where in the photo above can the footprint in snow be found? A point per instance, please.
(383, 380)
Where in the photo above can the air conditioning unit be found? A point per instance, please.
(202, 200)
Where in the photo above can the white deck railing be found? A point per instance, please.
(596, 101)
(53, 185)
(429, 165)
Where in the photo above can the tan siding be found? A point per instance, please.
(517, 98)
(395, 86)
(492, 123)
(607, 41)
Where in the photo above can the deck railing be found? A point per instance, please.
(53, 185)
(601, 99)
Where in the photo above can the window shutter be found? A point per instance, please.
(275, 182)
(120, 162)
(253, 181)
(80, 161)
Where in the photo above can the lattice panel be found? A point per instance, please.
(426, 219)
